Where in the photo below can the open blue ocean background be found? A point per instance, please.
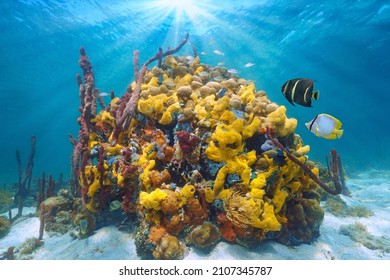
(343, 45)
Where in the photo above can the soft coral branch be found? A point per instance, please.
(335, 172)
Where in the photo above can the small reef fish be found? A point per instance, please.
(249, 64)
(233, 71)
(326, 126)
(190, 59)
(221, 63)
(115, 205)
(203, 53)
(170, 84)
(221, 93)
(203, 74)
(300, 91)
(218, 52)
(104, 94)
(160, 80)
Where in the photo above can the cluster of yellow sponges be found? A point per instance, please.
(185, 159)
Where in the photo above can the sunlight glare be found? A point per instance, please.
(181, 6)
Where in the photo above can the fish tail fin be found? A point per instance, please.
(316, 94)
(339, 133)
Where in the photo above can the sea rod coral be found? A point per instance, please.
(188, 151)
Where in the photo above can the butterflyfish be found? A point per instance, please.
(326, 126)
(300, 91)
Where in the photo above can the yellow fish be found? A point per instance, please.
(327, 126)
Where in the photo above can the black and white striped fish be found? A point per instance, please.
(300, 91)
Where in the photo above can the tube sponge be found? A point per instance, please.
(188, 191)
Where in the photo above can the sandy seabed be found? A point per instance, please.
(338, 240)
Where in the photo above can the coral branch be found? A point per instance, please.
(112, 94)
(41, 191)
(194, 50)
(41, 221)
(50, 187)
(19, 168)
(10, 253)
(345, 190)
(100, 166)
(87, 94)
(160, 57)
(75, 164)
(160, 54)
(124, 117)
(30, 165)
(338, 186)
(85, 64)
(135, 63)
(100, 99)
(131, 106)
(22, 191)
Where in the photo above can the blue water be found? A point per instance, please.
(343, 45)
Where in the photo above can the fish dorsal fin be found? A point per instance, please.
(316, 94)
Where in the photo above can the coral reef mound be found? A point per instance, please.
(185, 149)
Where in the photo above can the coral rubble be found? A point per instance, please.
(4, 226)
(188, 149)
(6, 201)
(359, 233)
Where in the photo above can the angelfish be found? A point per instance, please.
(300, 91)
(327, 126)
